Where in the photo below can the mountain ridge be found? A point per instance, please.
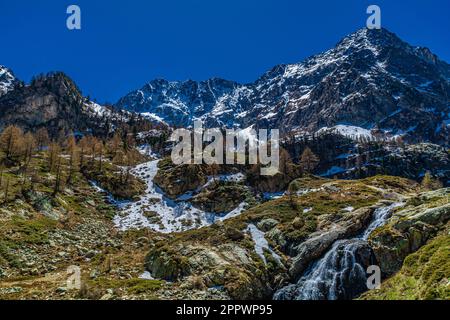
(369, 72)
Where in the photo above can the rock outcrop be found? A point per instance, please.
(177, 180)
(228, 265)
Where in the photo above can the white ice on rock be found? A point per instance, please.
(236, 177)
(146, 150)
(146, 276)
(261, 243)
(351, 132)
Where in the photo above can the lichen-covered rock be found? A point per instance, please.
(277, 236)
(221, 197)
(229, 265)
(267, 224)
(167, 264)
(177, 180)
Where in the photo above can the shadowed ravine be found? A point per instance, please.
(341, 272)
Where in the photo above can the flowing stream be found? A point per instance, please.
(341, 272)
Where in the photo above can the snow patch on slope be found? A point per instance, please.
(170, 215)
(156, 211)
(153, 116)
(352, 132)
(261, 243)
(96, 109)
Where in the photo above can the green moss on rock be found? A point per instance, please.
(423, 276)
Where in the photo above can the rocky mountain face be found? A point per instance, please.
(53, 101)
(371, 79)
(178, 103)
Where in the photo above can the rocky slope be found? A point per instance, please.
(250, 255)
(371, 79)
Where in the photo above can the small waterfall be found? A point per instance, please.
(341, 273)
(380, 217)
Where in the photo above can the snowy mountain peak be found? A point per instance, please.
(7, 80)
(380, 41)
(369, 38)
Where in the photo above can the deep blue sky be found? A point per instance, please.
(124, 44)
